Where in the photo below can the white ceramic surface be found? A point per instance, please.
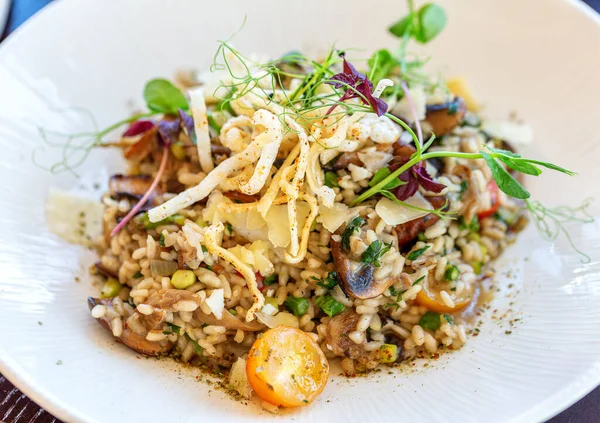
(540, 58)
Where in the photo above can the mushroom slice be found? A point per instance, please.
(357, 278)
(444, 117)
(130, 337)
(229, 321)
(166, 299)
(338, 342)
(344, 160)
(131, 186)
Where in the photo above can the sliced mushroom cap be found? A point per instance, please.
(129, 337)
(166, 299)
(357, 278)
(219, 149)
(229, 321)
(130, 186)
(408, 231)
(443, 118)
(343, 161)
(240, 197)
(341, 345)
(105, 271)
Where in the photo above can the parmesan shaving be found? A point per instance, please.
(212, 180)
(210, 237)
(198, 106)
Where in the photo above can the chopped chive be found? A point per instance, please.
(330, 305)
(297, 305)
(430, 321)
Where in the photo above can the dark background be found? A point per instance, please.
(17, 408)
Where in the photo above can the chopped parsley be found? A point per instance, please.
(161, 240)
(352, 227)
(137, 275)
(172, 329)
(413, 255)
(331, 179)
(418, 280)
(329, 282)
(449, 318)
(229, 228)
(473, 226)
(374, 252)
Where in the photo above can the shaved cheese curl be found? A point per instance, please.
(210, 238)
(314, 177)
(274, 131)
(198, 106)
(314, 211)
(215, 177)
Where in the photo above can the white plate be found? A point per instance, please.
(538, 58)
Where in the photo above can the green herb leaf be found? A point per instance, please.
(330, 305)
(270, 280)
(352, 227)
(137, 275)
(432, 20)
(430, 321)
(161, 240)
(229, 228)
(297, 305)
(163, 97)
(381, 65)
(473, 226)
(418, 281)
(521, 166)
(413, 255)
(380, 175)
(505, 181)
(374, 252)
(331, 179)
(449, 318)
(402, 27)
(423, 25)
(172, 329)
(197, 348)
(330, 281)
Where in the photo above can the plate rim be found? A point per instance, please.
(15, 374)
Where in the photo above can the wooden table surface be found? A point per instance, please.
(15, 407)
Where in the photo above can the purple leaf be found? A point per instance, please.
(357, 85)
(415, 176)
(168, 130)
(139, 127)
(188, 124)
(426, 181)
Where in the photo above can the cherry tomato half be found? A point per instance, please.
(286, 367)
(493, 189)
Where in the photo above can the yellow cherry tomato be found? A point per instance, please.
(286, 367)
(433, 301)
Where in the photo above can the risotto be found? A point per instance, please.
(277, 215)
